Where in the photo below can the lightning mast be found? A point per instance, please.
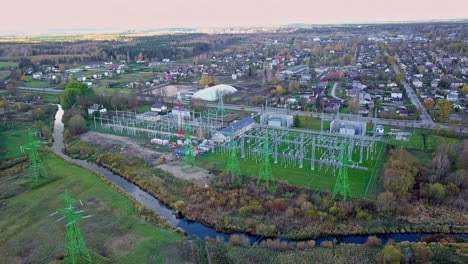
(188, 162)
(75, 246)
(180, 131)
(233, 163)
(36, 169)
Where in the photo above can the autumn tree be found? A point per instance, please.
(205, 80)
(399, 77)
(140, 56)
(353, 104)
(389, 255)
(429, 103)
(465, 88)
(400, 172)
(444, 110)
(293, 86)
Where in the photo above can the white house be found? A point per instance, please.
(37, 75)
(417, 83)
(96, 108)
(396, 93)
(158, 107)
(452, 97)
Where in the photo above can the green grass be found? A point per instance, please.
(6, 64)
(322, 179)
(313, 123)
(115, 233)
(433, 141)
(11, 141)
(37, 84)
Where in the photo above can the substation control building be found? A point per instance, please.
(276, 120)
(347, 127)
(236, 128)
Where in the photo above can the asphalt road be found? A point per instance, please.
(425, 118)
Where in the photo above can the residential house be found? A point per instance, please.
(158, 107)
(417, 83)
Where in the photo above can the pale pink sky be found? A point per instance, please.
(40, 15)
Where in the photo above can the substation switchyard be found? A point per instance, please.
(345, 146)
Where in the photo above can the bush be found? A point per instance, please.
(179, 205)
(373, 241)
(235, 240)
(77, 124)
(326, 244)
(422, 253)
(389, 255)
(363, 215)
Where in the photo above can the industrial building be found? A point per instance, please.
(347, 127)
(213, 93)
(237, 128)
(276, 120)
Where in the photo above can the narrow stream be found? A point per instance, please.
(194, 228)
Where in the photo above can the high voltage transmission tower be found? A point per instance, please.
(220, 108)
(188, 162)
(265, 174)
(36, 169)
(233, 163)
(75, 246)
(342, 186)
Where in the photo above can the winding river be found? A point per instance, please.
(194, 228)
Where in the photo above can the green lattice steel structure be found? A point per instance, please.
(188, 162)
(342, 186)
(265, 175)
(36, 169)
(75, 246)
(233, 163)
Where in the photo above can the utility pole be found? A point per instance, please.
(265, 174)
(342, 186)
(36, 168)
(233, 163)
(75, 246)
(188, 163)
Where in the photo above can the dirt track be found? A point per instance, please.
(134, 148)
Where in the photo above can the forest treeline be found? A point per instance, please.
(152, 48)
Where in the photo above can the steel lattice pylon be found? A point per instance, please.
(233, 163)
(188, 162)
(36, 169)
(75, 246)
(265, 174)
(220, 109)
(342, 186)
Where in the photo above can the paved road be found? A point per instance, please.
(331, 116)
(415, 101)
(333, 92)
(49, 89)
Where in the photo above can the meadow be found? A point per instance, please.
(115, 233)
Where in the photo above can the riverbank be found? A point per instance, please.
(138, 172)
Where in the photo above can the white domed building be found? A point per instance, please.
(212, 93)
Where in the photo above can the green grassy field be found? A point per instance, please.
(37, 84)
(6, 64)
(313, 123)
(316, 179)
(115, 233)
(10, 142)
